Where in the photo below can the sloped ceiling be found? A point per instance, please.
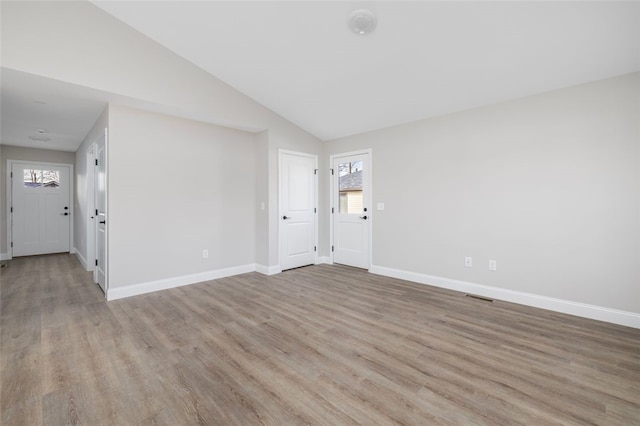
(425, 58)
(300, 59)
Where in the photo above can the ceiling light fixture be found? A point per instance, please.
(39, 138)
(362, 21)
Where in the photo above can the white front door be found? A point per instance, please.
(99, 274)
(351, 209)
(298, 211)
(40, 208)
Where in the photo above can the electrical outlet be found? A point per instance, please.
(493, 265)
(205, 254)
(468, 262)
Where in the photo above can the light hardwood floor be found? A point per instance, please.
(322, 345)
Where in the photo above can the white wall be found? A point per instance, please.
(88, 47)
(549, 186)
(177, 187)
(8, 152)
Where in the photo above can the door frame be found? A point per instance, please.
(281, 152)
(9, 179)
(103, 137)
(333, 201)
(90, 194)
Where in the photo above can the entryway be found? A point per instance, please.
(40, 212)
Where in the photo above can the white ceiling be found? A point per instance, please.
(65, 112)
(299, 59)
(425, 58)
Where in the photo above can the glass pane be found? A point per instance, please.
(41, 178)
(350, 183)
(50, 178)
(32, 178)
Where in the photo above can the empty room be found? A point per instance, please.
(319, 212)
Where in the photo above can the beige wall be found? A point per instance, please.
(549, 186)
(24, 154)
(176, 188)
(88, 47)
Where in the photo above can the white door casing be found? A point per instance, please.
(40, 208)
(90, 211)
(298, 209)
(351, 216)
(100, 221)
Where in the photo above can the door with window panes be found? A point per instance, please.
(351, 210)
(40, 208)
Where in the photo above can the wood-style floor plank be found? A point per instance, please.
(322, 345)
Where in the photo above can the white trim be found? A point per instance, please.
(629, 319)
(151, 286)
(81, 258)
(324, 260)
(5, 256)
(90, 208)
(268, 270)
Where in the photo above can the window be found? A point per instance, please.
(350, 191)
(41, 178)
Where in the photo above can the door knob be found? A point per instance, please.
(285, 217)
(103, 221)
(363, 217)
(64, 214)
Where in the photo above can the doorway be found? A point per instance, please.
(298, 209)
(40, 209)
(351, 209)
(100, 218)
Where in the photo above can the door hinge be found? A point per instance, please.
(315, 210)
(11, 243)
(331, 248)
(331, 171)
(315, 248)
(315, 171)
(331, 209)
(96, 262)
(11, 174)
(96, 212)
(96, 161)
(11, 209)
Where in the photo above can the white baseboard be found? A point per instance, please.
(151, 286)
(324, 260)
(629, 319)
(82, 260)
(5, 256)
(268, 270)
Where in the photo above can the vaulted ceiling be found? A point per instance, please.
(300, 59)
(425, 58)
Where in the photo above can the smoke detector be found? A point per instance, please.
(362, 21)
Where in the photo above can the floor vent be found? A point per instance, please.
(474, 296)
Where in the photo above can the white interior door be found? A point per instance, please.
(298, 211)
(40, 208)
(100, 271)
(351, 211)
(90, 212)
